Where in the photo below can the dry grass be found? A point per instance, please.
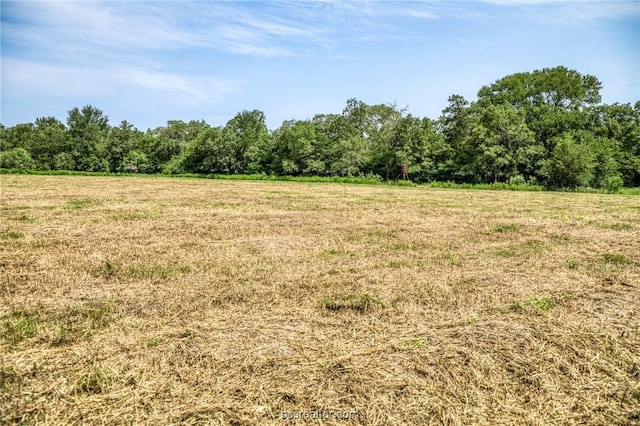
(160, 301)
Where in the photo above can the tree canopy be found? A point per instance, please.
(545, 127)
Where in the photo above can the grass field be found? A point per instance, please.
(188, 301)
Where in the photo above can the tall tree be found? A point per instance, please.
(88, 129)
(213, 151)
(453, 125)
(251, 139)
(620, 125)
(120, 143)
(570, 165)
(50, 140)
(501, 143)
(294, 148)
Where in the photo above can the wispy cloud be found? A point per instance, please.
(571, 11)
(37, 79)
(230, 54)
(267, 29)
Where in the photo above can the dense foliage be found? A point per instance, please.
(547, 127)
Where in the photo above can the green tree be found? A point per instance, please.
(213, 151)
(454, 126)
(64, 161)
(571, 164)
(385, 139)
(293, 148)
(50, 138)
(559, 87)
(553, 99)
(501, 143)
(138, 162)
(16, 158)
(619, 126)
(169, 141)
(348, 157)
(88, 128)
(439, 163)
(251, 140)
(120, 142)
(18, 136)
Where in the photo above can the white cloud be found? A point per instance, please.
(421, 14)
(29, 78)
(99, 29)
(569, 11)
(97, 24)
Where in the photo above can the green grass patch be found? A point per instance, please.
(615, 258)
(417, 343)
(11, 235)
(332, 253)
(534, 246)
(452, 259)
(82, 203)
(619, 226)
(506, 252)
(379, 236)
(81, 322)
(401, 246)
(95, 382)
(153, 342)
(25, 218)
(527, 248)
(505, 227)
(543, 304)
(500, 186)
(361, 304)
(398, 264)
(367, 180)
(19, 325)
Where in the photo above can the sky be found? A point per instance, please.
(148, 62)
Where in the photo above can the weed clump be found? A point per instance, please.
(81, 203)
(11, 235)
(95, 382)
(543, 304)
(615, 258)
(505, 227)
(361, 304)
(20, 325)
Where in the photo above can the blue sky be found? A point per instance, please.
(148, 62)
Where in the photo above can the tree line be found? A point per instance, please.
(547, 127)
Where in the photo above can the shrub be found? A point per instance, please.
(614, 184)
(16, 158)
(517, 180)
(64, 161)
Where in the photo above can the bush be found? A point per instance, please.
(137, 162)
(517, 180)
(175, 166)
(614, 184)
(64, 161)
(16, 158)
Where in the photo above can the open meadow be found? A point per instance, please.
(152, 300)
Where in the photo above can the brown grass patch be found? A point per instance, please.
(186, 301)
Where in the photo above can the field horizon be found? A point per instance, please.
(196, 301)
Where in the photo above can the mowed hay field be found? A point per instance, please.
(185, 301)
